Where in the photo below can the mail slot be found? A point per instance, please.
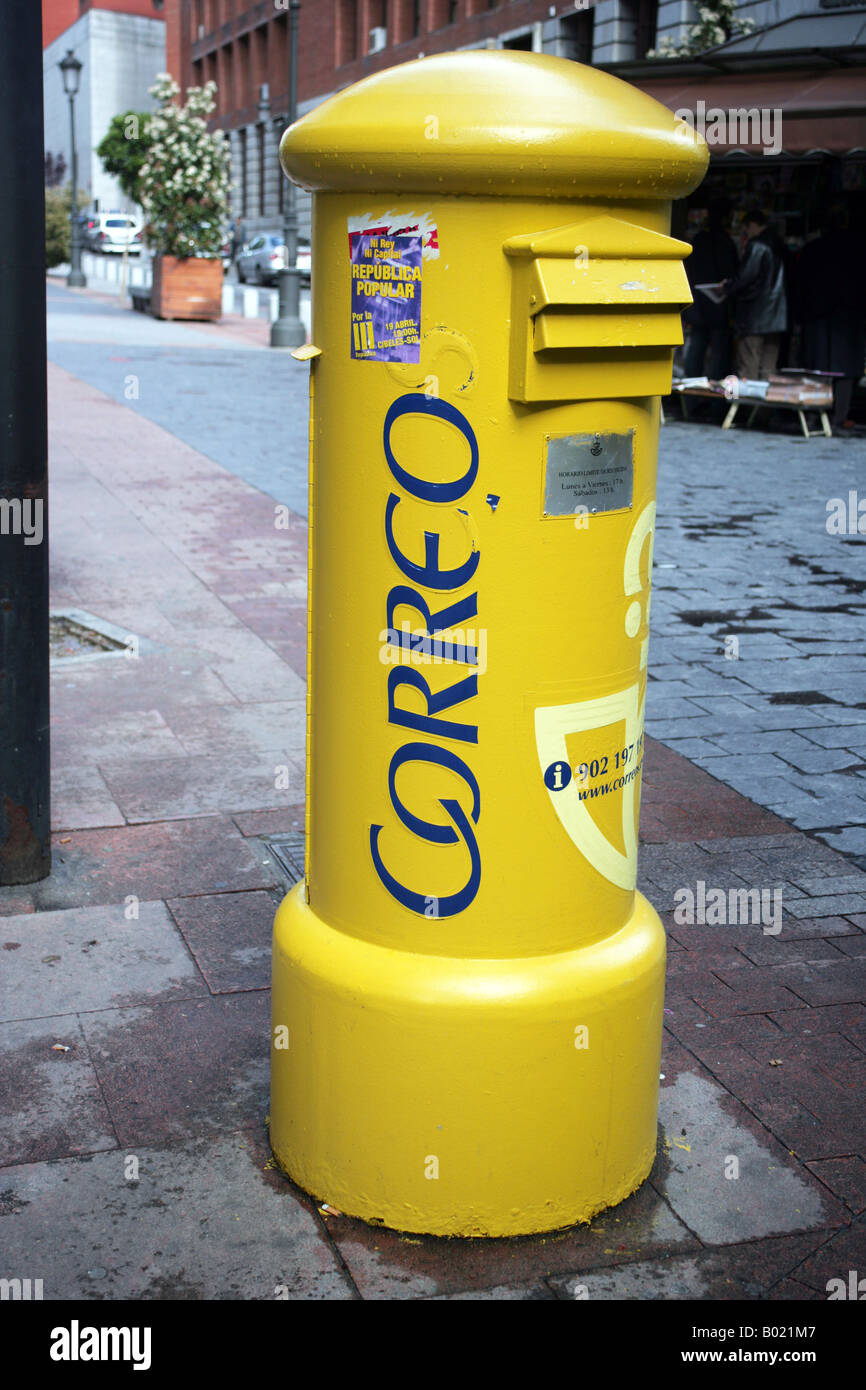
(595, 311)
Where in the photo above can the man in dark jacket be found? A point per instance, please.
(713, 259)
(760, 304)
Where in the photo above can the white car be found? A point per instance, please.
(114, 231)
(262, 258)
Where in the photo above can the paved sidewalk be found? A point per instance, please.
(134, 1008)
(758, 645)
(219, 386)
(758, 648)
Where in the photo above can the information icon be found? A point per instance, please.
(557, 776)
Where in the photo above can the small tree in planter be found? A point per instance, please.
(184, 186)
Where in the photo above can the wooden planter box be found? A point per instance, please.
(186, 289)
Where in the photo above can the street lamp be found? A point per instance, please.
(71, 69)
(287, 330)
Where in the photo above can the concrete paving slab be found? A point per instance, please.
(201, 1220)
(80, 800)
(179, 1070)
(256, 727)
(178, 788)
(766, 1195)
(751, 1273)
(50, 1102)
(86, 958)
(143, 733)
(229, 935)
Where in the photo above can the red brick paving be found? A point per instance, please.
(166, 860)
(677, 798)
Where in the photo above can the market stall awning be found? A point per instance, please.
(819, 111)
(811, 68)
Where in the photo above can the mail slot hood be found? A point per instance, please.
(595, 310)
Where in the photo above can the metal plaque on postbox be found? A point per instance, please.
(589, 471)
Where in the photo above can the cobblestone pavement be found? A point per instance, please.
(758, 634)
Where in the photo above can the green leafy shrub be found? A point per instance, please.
(124, 149)
(184, 183)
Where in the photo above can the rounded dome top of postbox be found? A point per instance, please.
(495, 124)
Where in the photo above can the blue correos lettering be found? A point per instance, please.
(460, 826)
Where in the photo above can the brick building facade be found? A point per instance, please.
(244, 49)
(804, 60)
(59, 15)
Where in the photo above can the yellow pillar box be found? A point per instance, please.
(467, 987)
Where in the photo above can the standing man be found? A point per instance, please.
(760, 302)
(239, 237)
(714, 259)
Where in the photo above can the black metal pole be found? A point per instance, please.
(75, 279)
(288, 330)
(25, 846)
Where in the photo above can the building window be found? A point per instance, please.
(260, 143)
(647, 23)
(260, 56)
(376, 24)
(242, 160)
(575, 36)
(347, 32)
(228, 77)
(638, 23)
(279, 55)
(520, 41)
(244, 87)
(408, 20)
(442, 12)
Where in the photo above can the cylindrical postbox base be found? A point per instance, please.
(473, 1097)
